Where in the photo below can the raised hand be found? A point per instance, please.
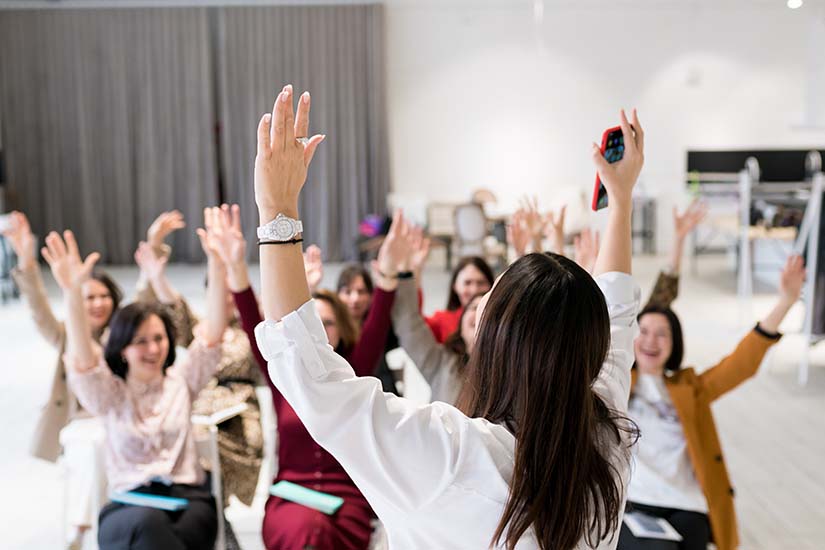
(420, 251)
(684, 223)
(22, 240)
(314, 266)
(396, 251)
(586, 248)
(554, 229)
(226, 235)
(532, 218)
(149, 261)
(792, 279)
(208, 235)
(518, 234)
(620, 177)
(164, 224)
(68, 269)
(790, 288)
(284, 153)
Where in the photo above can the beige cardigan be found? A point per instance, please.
(62, 405)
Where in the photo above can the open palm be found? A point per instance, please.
(64, 259)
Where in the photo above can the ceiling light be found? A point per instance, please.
(794, 4)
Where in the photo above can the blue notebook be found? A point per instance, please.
(323, 502)
(170, 504)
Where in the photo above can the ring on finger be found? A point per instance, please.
(302, 140)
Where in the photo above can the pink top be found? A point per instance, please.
(148, 427)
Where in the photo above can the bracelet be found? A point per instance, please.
(399, 275)
(291, 241)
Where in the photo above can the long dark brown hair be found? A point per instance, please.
(541, 342)
(347, 329)
(455, 341)
(125, 323)
(453, 301)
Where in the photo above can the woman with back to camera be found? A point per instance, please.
(145, 399)
(537, 454)
(64, 429)
(289, 525)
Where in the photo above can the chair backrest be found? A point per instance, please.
(440, 218)
(470, 223)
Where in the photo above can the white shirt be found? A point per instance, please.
(663, 473)
(434, 477)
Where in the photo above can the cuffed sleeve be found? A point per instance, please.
(623, 297)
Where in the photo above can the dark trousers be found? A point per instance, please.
(693, 526)
(126, 527)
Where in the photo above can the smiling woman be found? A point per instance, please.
(145, 402)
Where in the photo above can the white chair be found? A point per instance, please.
(208, 449)
(472, 236)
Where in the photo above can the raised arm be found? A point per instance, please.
(745, 360)
(619, 179)
(153, 270)
(683, 225)
(554, 229)
(216, 315)
(397, 254)
(586, 248)
(230, 245)
(161, 227)
(71, 272)
(29, 281)
(284, 153)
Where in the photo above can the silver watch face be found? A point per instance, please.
(284, 228)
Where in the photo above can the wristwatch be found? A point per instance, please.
(282, 228)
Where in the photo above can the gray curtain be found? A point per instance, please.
(335, 52)
(108, 119)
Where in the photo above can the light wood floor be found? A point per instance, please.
(772, 430)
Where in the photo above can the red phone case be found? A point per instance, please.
(607, 132)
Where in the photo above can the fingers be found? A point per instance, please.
(640, 133)
(562, 212)
(289, 117)
(264, 138)
(598, 160)
(279, 119)
(236, 219)
(90, 261)
(397, 220)
(56, 245)
(202, 237)
(309, 148)
(627, 132)
(71, 243)
(302, 118)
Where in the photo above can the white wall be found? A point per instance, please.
(482, 95)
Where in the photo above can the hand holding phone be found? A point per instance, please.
(618, 161)
(612, 150)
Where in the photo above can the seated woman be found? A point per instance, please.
(240, 438)
(145, 399)
(64, 429)
(680, 474)
(355, 289)
(471, 276)
(288, 525)
(536, 456)
(443, 366)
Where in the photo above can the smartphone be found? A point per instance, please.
(612, 150)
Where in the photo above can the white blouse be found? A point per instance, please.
(148, 428)
(434, 477)
(662, 470)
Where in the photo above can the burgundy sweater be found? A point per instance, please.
(300, 459)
